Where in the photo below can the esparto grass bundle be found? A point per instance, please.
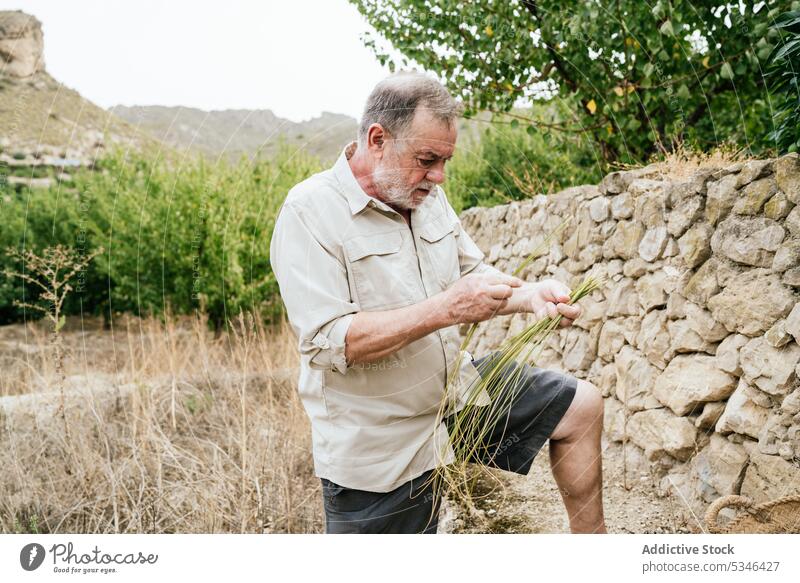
(470, 428)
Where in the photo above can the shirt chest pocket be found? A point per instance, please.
(441, 247)
(381, 271)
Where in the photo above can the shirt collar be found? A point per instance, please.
(357, 199)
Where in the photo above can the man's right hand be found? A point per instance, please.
(477, 297)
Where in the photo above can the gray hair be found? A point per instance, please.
(394, 101)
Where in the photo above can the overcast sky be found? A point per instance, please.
(295, 57)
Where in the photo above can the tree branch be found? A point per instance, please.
(530, 5)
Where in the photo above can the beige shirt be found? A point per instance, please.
(336, 251)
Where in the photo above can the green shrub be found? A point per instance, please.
(511, 163)
(187, 236)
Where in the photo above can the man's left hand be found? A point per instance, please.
(549, 297)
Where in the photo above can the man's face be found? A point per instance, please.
(413, 163)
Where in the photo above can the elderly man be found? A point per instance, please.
(377, 274)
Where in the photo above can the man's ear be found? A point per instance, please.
(376, 139)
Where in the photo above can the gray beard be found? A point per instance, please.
(394, 191)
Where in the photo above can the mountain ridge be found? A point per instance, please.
(236, 131)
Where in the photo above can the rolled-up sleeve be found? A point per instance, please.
(314, 289)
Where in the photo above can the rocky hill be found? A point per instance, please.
(50, 127)
(46, 127)
(236, 132)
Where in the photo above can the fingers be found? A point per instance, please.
(500, 305)
(569, 311)
(557, 291)
(500, 291)
(504, 279)
(548, 310)
(563, 295)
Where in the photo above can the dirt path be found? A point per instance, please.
(532, 503)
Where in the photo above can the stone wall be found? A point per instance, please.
(694, 339)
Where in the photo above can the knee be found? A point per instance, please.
(585, 412)
(590, 403)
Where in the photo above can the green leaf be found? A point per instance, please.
(789, 46)
(666, 28)
(61, 321)
(726, 72)
(648, 69)
(531, 129)
(683, 92)
(514, 124)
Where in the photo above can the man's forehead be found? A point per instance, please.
(428, 134)
(432, 143)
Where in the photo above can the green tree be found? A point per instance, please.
(784, 76)
(637, 77)
(509, 163)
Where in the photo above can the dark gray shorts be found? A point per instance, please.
(540, 400)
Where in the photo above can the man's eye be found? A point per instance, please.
(426, 161)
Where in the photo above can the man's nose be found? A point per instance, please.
(436, 174)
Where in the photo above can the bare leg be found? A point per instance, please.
(576, 460)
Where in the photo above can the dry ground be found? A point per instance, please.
(167, 427)
(532, 503)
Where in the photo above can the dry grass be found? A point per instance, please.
(682, 162)
(169, 428)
